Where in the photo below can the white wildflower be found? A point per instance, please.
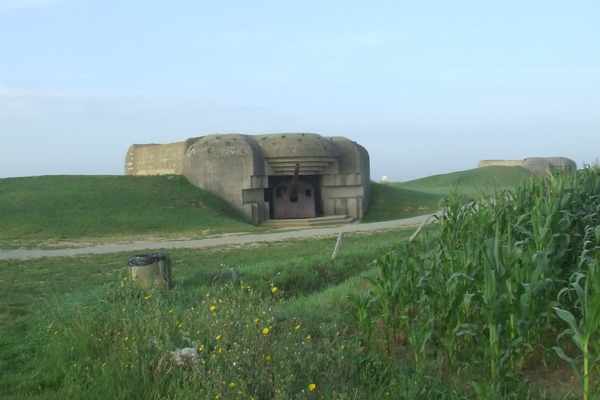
(187, 355)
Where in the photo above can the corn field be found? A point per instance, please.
(503, 280)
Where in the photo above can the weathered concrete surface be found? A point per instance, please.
(220, 241)
(535, 165)
(154, 159)
(230, 167)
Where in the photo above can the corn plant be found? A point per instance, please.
(455, 262)
(394, 288)
(492, 296)
(583, 326)
(489, 275)
(444, 292)
(419, 336)
(361, 314)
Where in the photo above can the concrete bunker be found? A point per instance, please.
(259, 175)
(536, 165)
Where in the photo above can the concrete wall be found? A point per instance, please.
(347, 192)
(155, 159)
(537, 165)
(501, 163)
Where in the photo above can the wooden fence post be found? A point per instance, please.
(338, 245)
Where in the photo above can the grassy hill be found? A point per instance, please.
(52, 211)
(422, 196)
(486, 179)
(389, 202)
(46, 209)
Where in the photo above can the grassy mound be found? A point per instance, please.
(48, 211)
(56, 210)
(485, 179)
(390, 202)
(64, 208)
(422, 196)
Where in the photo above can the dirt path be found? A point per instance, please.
(242, 239)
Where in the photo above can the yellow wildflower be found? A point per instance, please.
(312, 387)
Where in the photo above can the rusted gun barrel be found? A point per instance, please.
(294, 187)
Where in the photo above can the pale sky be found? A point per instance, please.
(427, 87)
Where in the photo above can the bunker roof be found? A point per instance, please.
(297, 145)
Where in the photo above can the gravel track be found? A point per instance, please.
(219, 241)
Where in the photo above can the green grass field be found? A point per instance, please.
(50, 309)
(78, 328)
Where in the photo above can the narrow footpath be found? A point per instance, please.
(218, 241)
